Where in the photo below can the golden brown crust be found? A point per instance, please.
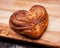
(31, 24)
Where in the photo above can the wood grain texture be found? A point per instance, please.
(51, 35)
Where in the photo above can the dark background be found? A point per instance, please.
(11, 43)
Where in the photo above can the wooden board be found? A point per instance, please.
(50, 37)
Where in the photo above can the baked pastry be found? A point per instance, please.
(30, 23)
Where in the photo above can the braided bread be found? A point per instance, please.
(30, 23)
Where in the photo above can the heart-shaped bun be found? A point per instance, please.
(30, 23)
